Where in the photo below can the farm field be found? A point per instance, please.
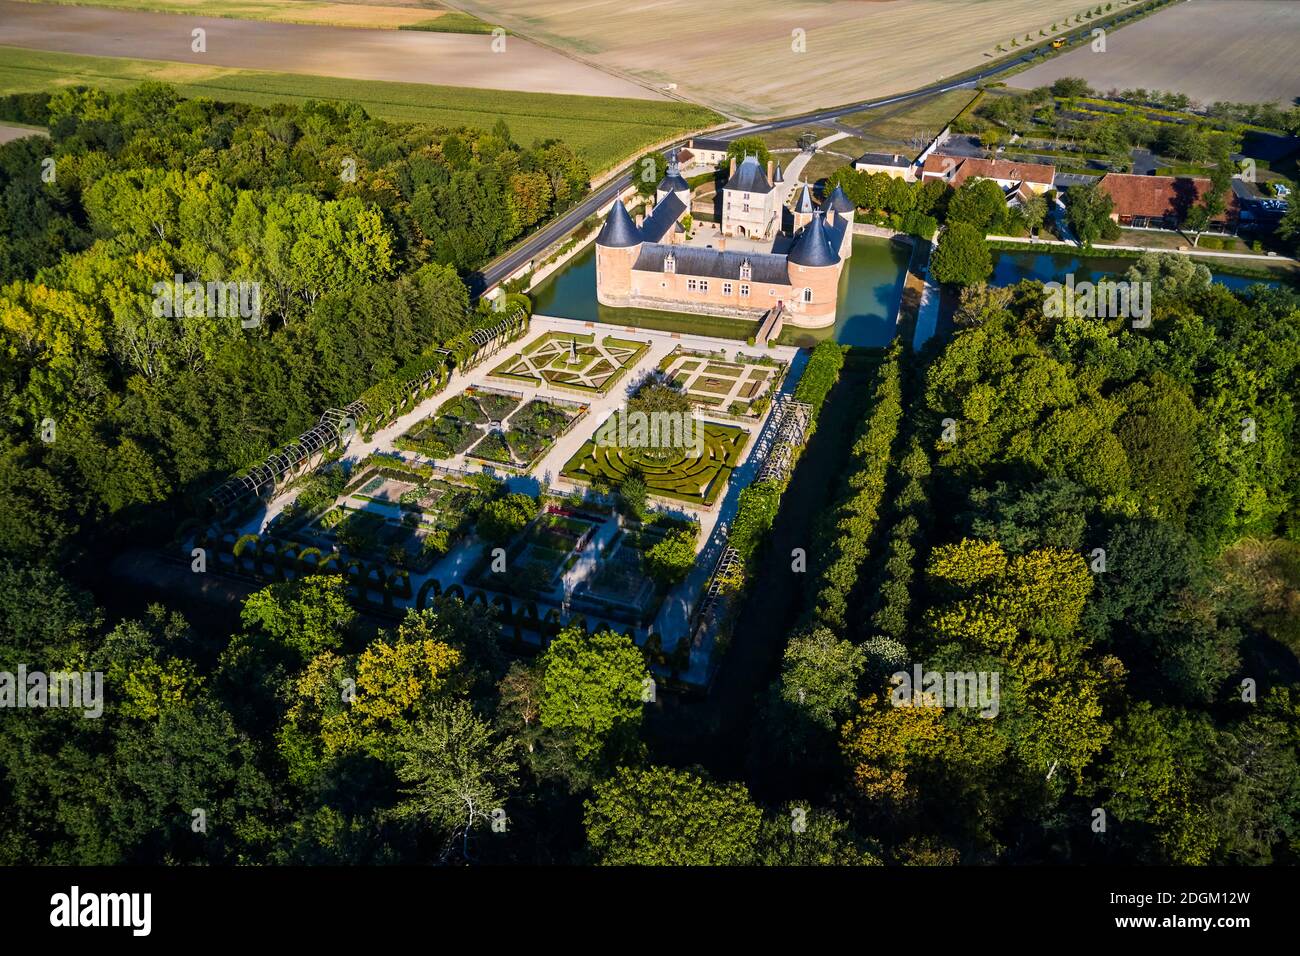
(603, 130)
(1211, 50)
(376, 16)
(390, 55)
(853, 50)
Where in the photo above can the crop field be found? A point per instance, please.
(377, 16)
(1211, 50)
(603, 130)
(392, 55)
(749, 58)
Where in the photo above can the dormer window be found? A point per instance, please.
(746, 270)
(670, 263)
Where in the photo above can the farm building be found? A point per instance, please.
(1162, 202)
(891, 164)
(1018, 180)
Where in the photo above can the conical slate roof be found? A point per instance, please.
(619, 231)
(804, 202)
(838, 201)
(779, 175)
(812, 247)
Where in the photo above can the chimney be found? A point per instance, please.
(733, 165)
(771, 168)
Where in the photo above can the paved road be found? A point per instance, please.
(530, 248)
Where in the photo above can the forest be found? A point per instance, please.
(357, 232)
(1102, 516)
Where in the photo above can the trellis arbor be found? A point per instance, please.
(335, 429)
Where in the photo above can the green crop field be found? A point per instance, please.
(695, 480)
(325, 13)
(604, 130)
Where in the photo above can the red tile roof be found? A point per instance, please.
(969, 167)
(1159, 196)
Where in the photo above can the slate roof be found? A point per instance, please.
(719, 145)
(619, 231)
(884, 159)
(662, 219)
(779, 175)
(838, 201)
(713, 263)
(749, 177)
(804, 202)
(812, 247)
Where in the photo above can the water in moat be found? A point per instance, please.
(869, 293)
(1010, 267)
(868, 300)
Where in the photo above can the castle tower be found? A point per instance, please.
(842, 210)
(803, 208)
(674, 184)
(813, 266)
(617, 246)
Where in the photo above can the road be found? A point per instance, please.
(518, 257)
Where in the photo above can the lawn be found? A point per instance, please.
(603, 130)
(696, 480)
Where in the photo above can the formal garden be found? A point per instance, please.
(528, 434)
(594, 558)
(677, 474)
(742, 386)
(572, 361)
(384, 509)
(459, 423)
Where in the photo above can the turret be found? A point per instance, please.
(813, 266)
(673, 183)
(617, 246)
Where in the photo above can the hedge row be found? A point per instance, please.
(858, 511)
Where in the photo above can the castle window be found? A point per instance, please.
(704, 285)
(807, 295)
(670, 263)
(746, 270)
(746, 207)
(726, 288)
(744, 289)
(690, 285)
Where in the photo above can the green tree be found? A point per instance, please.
(593, 689)
(502, 519)
(456, 773)
(1088, 210)
(306, 616)
(664, 817)
(669, 560)
(963, 256)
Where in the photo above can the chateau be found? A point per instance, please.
(774, 249)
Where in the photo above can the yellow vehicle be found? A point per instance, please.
(1057, 44)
